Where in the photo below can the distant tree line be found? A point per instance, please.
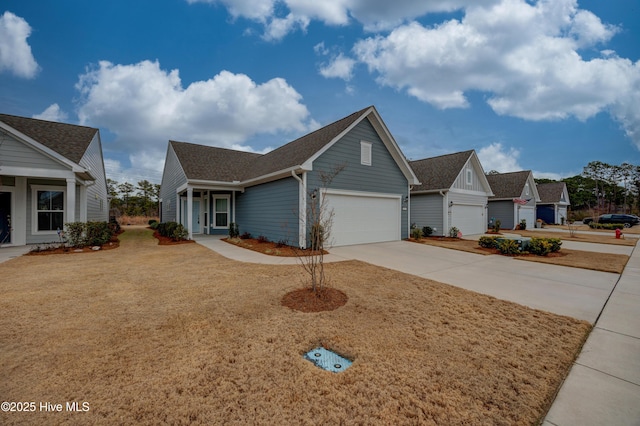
(139, 200)
(605, 188)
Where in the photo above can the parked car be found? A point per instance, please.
(627, 219)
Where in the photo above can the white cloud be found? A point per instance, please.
(524, 56)
(146, 106)
(499, 158)
(339, 67)
(15, 52)
(280, 17)
(53, 113)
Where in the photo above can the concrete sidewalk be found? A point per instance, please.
(603, 386)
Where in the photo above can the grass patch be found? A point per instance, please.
(178, 334)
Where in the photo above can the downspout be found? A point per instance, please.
(302, 209)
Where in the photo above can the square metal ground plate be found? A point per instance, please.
(328, 360)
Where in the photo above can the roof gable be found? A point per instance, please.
(512, 185)
(439, 173)
(201, 162)
(553, 192)
(67, 140)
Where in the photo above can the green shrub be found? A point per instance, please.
(509, 247)
(539, 246)
(488, 242)
(152, 221)
(179, 232)
(97, 233)
(427, 231)
(154, 225)
(496, 226)
(610, 226)
(234, 231)
(523, 224)
(75, 233)
(555, 244)
(453, 232)
(416, 233)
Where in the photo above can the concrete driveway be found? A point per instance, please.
(562, 290)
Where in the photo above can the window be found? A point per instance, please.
(365, 153)
(469, 177)
(526, 189)
(48, 209)
(221, 212)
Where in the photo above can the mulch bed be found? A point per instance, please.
(168, 241)
(114, 243)
(270, 248)
(306, 300)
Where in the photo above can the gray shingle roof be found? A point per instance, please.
(211, 163)
(508, 185)
(219, 164)
(69, 140)
(550, 192)
(439, 173)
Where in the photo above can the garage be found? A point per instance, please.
(527, 213)
(361, 217)
(469, 218)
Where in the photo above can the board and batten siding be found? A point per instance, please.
(382, 176)
(427, 210)
(15, 153)
(270, 210)
(97, 201)
(172, 178)
(461, 180)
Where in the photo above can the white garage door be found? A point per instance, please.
(361, 218)
(469, 219)
(528, 213)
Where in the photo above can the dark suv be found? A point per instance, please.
(627, 219)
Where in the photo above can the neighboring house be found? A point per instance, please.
(554, 202)
(453, 192)
(50, 174)
(514, 199)
(207, 188)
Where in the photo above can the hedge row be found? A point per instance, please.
(537, 246)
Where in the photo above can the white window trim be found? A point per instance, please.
(366, 153)
(213, 215)
(469, 177)
(526, 188)
(34, 207)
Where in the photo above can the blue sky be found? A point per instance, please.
(546, 85)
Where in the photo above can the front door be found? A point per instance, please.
(195, 218)
(5, 218)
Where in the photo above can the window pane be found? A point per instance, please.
(57, 200)
(44, 200)
(221, 219)
(221, 204)
(44, 221)
(57, 221)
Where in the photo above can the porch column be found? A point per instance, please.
(190, 212)
(83, 203)
(70, 208)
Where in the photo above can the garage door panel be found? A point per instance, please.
(361, 219)
(469, 219)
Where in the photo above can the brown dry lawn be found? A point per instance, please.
(150, 334)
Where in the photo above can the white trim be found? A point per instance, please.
(37, 173)
(214, 197)
(469, 176)
(11, 190)
(34, 207)
(362, 193)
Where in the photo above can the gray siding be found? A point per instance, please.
(503, 211)
(18, 154)
(270, 209)
(97, 204)
(426, 210)
(383, 175)
(461, 180)
(172, 177)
